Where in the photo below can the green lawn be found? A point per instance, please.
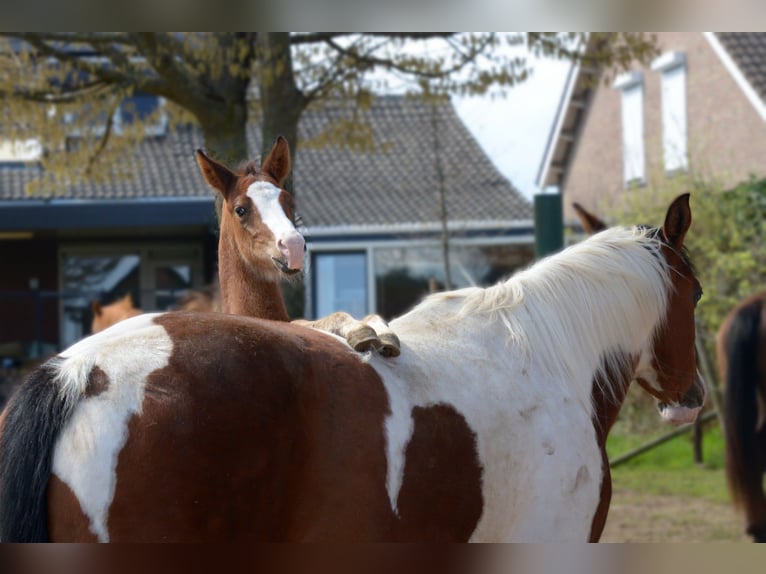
(670, 468)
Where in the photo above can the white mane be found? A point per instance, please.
(606, 294)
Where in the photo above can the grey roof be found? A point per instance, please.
(748, 50)
(396, 183)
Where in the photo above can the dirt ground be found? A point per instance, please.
(641, 517)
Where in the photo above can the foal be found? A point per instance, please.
(259, 246)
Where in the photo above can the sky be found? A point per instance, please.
(514, 131)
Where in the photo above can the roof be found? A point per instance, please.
(748, 50)
(396, 184)
(742, 53)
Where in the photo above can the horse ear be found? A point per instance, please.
(677, 221)
(277, 163)
(216, 174)
(590, 223)
(95, 306)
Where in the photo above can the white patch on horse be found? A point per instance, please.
(86, 453)
(518, 361)
(265, 197)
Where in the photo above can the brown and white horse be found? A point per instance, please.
(741, 350)
(491, 424)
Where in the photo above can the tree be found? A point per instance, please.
(222, 79)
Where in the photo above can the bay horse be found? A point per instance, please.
(741, 351)
(489, 426)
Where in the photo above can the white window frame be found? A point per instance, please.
(631, 84)
(672, 65)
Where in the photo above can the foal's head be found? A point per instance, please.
(667, 369)
(257, 216)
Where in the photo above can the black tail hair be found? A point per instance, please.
(741, 405)
(34, 418)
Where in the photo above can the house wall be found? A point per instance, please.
(726, 136)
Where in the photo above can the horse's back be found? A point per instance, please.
(241, 435)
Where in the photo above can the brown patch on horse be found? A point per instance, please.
(257, 442)
(98, 382)
(441, 495)
(68, 523)
(606, 408)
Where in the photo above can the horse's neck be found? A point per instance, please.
(608, 392)
(243, 292)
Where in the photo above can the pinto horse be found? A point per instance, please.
(741, 350)
(490, 426)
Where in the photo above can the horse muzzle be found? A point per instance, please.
(690, 406)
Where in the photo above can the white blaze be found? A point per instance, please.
(265, 197)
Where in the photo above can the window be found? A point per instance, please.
(634, 165)
(139, 108)
(340, 283)
(18, 153)
(156, 276)
(674, 134)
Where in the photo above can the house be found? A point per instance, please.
(373, 220)
(699, 107)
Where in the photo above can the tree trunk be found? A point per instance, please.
(281, 100)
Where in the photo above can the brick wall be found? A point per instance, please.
(726, 136)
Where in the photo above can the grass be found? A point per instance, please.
(670, 468)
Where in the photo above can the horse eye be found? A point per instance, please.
(297, 220)
(697, 296)
(240, 210)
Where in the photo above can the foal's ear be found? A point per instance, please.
(590, 223)
(216, 174)
(277, 163)
(95, 306)
(677, 221)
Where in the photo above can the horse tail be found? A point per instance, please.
(741, 405)
(32, 421)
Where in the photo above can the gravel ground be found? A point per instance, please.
(640, 517)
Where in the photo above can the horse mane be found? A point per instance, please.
(578, 302)
(249, 167)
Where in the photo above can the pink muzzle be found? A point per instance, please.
(293, 247)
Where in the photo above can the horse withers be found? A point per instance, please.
(741, 350)
(490, 426)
